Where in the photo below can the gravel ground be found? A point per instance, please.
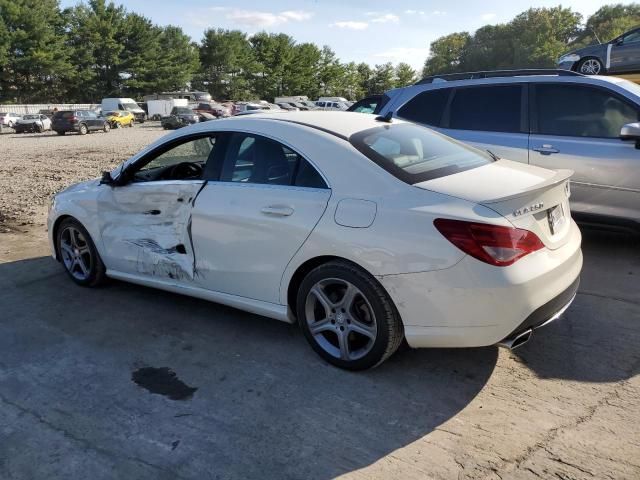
(35, 166)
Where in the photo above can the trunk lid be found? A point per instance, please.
(532, 198)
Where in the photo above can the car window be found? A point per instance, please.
(631, 38)
(579, 111)
(415, 154)
(90, 115)
(255, 159)
(490, 109)
(426, 107)
(196, 151)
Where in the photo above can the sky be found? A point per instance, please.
(373, 31)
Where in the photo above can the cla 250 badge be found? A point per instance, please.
(529, 209)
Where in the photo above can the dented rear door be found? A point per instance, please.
(145, 228)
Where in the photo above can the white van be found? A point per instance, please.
(127, 104)
(294, 99)
(332, 99)
(331, 105)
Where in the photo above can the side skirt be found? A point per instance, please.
(266, 309)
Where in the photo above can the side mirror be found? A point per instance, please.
(631, 131)
(106, 179)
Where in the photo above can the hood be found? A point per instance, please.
(597, 49)
(80, 186)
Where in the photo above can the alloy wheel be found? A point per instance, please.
(76, 254)
(591, 67)
(340, 319)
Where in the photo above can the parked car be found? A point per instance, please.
(240, 107)
(620, 55)
(410, 234)
(179, 117)
(157, 109)
(301, 106)
(215, 109)
(552, 119)
(119, 118)
(81, 121)
(33, 123)
(367, 105)
(127, 104)
(206, 117)
(9, 119)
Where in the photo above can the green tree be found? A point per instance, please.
(490, 47)
(177, 62)
(541, 35)
(609, 22)
(365, 74)
(405, 75)
(330, 72)
(303, 71)
(383, 78)
(446, 54)
(36, 64)
(138, 62)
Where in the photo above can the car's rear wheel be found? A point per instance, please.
(347, 316)
(83, 130)
(106, 127)
(10, 124)
(590, 66)
(79, 255)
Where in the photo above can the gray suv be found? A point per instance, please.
(553, 119)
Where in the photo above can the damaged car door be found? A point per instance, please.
(145, 218)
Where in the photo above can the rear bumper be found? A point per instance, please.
(473, 304)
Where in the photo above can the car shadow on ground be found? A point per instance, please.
(598, 338)
(265, 406)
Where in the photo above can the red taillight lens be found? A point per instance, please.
(492, 244)
(73, 119)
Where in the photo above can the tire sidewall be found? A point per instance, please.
(367, 285)
(83, 130)
(585, 60)
(96, 275)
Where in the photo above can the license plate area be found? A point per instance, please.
(556, 218)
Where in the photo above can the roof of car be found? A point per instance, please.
(343, 124)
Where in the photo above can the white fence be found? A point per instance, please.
(35, 108)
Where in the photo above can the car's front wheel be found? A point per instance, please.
(78, 254)
(347, 316)
(590, 66)
(106, 127)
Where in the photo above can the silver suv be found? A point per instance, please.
(551, 118)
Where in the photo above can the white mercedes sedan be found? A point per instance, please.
(365, 231)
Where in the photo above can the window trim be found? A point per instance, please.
(524, 105)
(533, 105)
(221, 157)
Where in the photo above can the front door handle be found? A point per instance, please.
(277, 210)
(546, 149)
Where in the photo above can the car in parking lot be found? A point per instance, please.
(32, 123)
(371, 104)
(80, 121)
(548, 118)
(410, 235)
(119, 118)
(620, 55)
(178, 118)
(9, 119)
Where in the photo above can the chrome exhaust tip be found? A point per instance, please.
(517, 340)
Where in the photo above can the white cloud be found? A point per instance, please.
(386, 18)
(437, 13)
(434, 13)
(255, 18)
(488, 16)
(350, 25)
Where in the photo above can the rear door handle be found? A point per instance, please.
(277, 210)
(546, 149)
(152, 212)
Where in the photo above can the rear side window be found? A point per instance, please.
(426, 107)
(490, 109)
(415, 154)
(580, 111)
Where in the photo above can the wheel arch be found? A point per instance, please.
(307, 266)
(54, 232)
(579, 63)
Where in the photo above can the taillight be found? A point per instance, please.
(73, 119)
(492, 244)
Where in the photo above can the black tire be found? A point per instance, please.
(106, 127)
(388, 324)
(60, 132)
(38, 128)
(97, 269)
(591, 66)
(82, 129)
(10, 124)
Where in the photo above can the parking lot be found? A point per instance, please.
(565, 405)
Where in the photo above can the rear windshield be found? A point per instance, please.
(415, 154)
(31, 117)
(183, 111)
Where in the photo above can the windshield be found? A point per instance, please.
(111, 114)
(30, 117)
(415, 154)
(130, 106)
(183, 111)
